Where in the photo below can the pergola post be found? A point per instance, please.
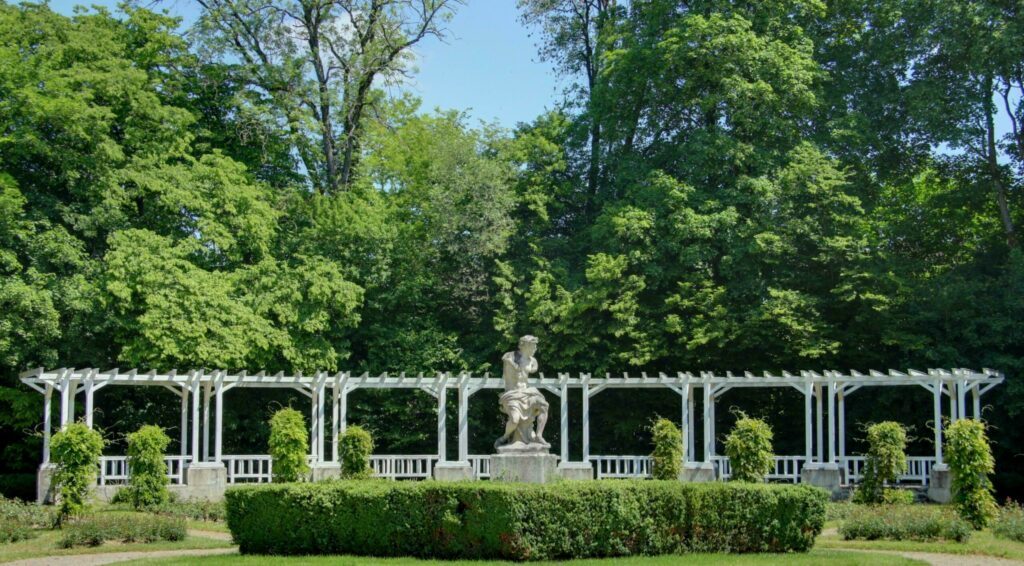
(184, 420)
(586, 422)
(335, 417)
(218, 443)
(818, 419)
(691, 419)
(954, 413)
(842, 422)
(563, 431)
(313, 423)
(89, 396)
(207, 394)
(808, 428)
(961, 397)
(194, 393)
(684, 419)
(937, 394)
(321, 416)
(708, 418)
(832, 422)
(463, 396)
(67, 400)
(976, 398)
(442, 422)
(47, 401)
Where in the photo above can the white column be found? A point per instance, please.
(712, 441)
(586, 422)
(708, 416)
(184, 421)
(954, 413)
(691, 421)
(335, 416)
(976, 398)
(47, 401)
(832, 422)
(321, 418)
(842, 423)
(563, 431)
(207, 394)
(218, 443)
(343, 412)
(820, 457)
(937, 393)
(442, 423)
(808, 428)
(194, 393)
(961, 399)
(463, 421)
(684, 420)
(65, 402)
(313, 424)
(89, 395)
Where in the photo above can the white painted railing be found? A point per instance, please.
(919, 469)
(402, 466)
(114, 470)
(249, 468)
(784, 469)
(481, 466)
(621, 467)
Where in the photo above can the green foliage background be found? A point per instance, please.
(788, 184)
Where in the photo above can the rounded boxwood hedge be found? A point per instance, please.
(487, 520)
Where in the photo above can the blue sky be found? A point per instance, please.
(488, 66)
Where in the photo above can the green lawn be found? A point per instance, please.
(45, 544)
(836, 558)
(981, 542)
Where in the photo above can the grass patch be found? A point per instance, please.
(814, 557)
(981, 542)
(45, 543)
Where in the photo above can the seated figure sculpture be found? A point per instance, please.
(524, 406)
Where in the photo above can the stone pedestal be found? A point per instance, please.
(454, 471)
(827, 476)
(697, 472)
(206, 480)
(939, 483)
(576, 470)
(44, 484)
(524, 467)
(325, 471)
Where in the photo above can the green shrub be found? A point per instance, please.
(668, 450)
(197, 510)
(356, 446)
(886, 460)
(13, 531)
(484, 520)
(904, 522)
(1009, 522)
(147, 479)
(970, 464)
(28, 514)
(94, 530)
(893, 496)
(289, 445)
(75, 450)
(749, 448)
(838, 510)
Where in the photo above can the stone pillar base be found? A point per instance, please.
(206, 480)
(324, 471)
(939, 484)
(827, 476)
(44, 484)
(524, 467)
(576, 470)
(697, 472)
(454, 471)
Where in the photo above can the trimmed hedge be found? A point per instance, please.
(485, 520)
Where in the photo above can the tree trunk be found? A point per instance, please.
(993, 168)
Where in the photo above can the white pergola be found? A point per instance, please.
(202, 391)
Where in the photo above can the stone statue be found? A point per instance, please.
(524, 405)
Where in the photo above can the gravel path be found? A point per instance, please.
(112, 557)
(937, 559)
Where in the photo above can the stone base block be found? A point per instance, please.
(526, 468)
(206, 480)
(325, 471)
(576, 470)
(939, 484)
(44, 484)
(827, 476)
(697, 472)
(453, 471)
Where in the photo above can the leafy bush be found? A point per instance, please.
(1009, 522)
(197, 510)
(904, 522)
(970, 463)
(886, 460)
(838, 510)
(28, 514)
(484, 520)
(893, 496)
(75, 450)
(356, 446)
(94, 530)
(749, 448)
(13, 531)
(147, 479)
(289, 445)
(668, 450)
